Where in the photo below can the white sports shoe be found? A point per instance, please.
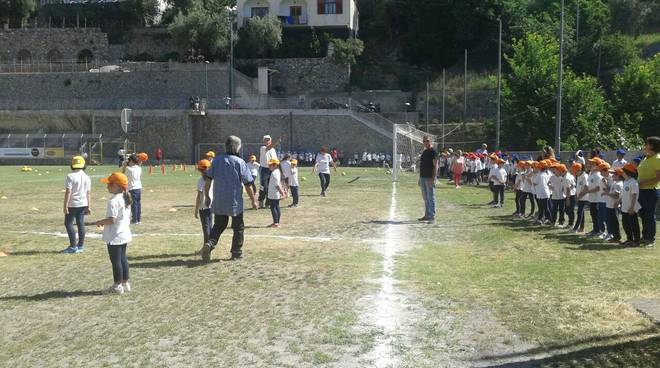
(126, 287)
(116, 289)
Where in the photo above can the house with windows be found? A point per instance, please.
(339, 17)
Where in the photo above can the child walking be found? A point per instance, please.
(202, 211)
(275, 191)
(253, 165)
(294, 184)
(77, 201)
(116, 230)
(133, 171)
(630, 206)
(543, 193)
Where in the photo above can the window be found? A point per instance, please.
(330, 6)
(295, 11)
(259, 12)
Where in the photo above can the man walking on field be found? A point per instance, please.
(428, 171)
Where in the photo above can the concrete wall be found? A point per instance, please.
(346, 19)
(52, 44)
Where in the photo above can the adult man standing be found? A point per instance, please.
(229, 174)
(428, 171)
(266, 153)
(483, 150)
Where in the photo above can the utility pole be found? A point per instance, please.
(559, 83)
(443, 108)
(499, 87)
(465, 95)
(231, 58)
(427, 106)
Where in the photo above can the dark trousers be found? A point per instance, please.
(294, 194)
(631, 227)
(544, 209)
(602, 216)
(275, 210)
(119, 262)
(498, 191)
(325, 182)
(136, 206)
(78, 214)
(593, 211)
(570, 210)
(519, 194)
(579, 220)
(532, 202)
(557, 207)
(219, 226)
(613, 223)
(648, 199)
(264, 177)
(206, 218)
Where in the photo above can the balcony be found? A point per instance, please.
(293, 20)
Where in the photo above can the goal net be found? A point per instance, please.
(407, 148)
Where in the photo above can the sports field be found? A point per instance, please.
(350, 280)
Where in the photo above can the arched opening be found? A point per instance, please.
(85, 55)
(24, 55)
(54, 55)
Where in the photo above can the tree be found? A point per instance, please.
(347, 51)
(198, 29)
(637, 97)
(260, 36)
(15, 12)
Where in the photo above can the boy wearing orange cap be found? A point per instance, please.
(133, 170)
(275, 191)
(558, 196)
(612, 196)
(582, 196)
(294, 184)
(117, 230)
(253, 165)
(604, 168)
(630, 206)
(202, 211)
(571, 192)
(77, 203)
(543, 193)
(498, 177)
(593, 190)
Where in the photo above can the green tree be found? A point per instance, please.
(260, 36)
(14, 12)
(206, 32)
(347, 51)
(637, 97)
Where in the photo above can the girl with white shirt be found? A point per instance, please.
(582, 196)
(202, 211)
(322, 166)
(611, 195)
(76, 203)
(543, 193)
(593, 191)
(133, 171)
(117, 230)
(294, 184)
(558, 197)
(570, 193)
(275, 191)
(253, 166)
(528, 191)
(630, 206)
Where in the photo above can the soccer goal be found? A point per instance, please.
(407, 148)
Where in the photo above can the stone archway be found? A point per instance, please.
(24, 55)
(85, 55)
(54, 55)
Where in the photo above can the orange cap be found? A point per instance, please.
(603, 166)
(210, 154)
(561, 167)
(595, 160)
(203, 164)
(143, 156)
(116, 178)
(294, 162)
(576, 166)
(630, 166)
(618, 171)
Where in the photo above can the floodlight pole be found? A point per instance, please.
(559, 82)
(443, 108)
(395, 155)
(499, 87)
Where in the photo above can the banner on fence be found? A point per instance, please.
(35, 152)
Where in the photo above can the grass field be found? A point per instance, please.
(349, 281)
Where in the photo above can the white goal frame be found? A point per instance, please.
(415, 135)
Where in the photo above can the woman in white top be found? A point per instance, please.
(322, 166)
(76, 203)
(133, 171)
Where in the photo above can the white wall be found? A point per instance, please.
(280, 7)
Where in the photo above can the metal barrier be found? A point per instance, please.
(49, 146)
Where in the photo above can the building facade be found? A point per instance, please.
(332, 15)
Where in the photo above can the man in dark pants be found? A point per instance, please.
(229, 174)
(428, 171)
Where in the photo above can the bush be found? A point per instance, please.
(259, 37)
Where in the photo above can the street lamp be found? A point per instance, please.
(206, 79)
(232, 15)
(407, 105)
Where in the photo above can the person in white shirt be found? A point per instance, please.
(285, 168)
(570, 192)
(602, 199)
(558, 196)
(527, 190)
(77, 203)
(579, 158)
(581, 188)
(612, 196)
(133, 170)
(322, 167)
(202, 211)
(593, 190)
(294, 184)
(253, 166)
(630, 206)
(117, 230)
(266, 153)
(275, 191)
(498, 177)
(620, 161)
(543, 193)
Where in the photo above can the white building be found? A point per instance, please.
(340, 16)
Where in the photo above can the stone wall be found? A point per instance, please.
(155, 43)
(300, 75)
(43, 44)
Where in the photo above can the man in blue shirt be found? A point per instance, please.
(229, 174)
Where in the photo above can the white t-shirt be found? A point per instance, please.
(542, 189)
(286, 168)
(619, 163)
(78, 184)
(615, 187)
(500, 176)
(120, 232)
(630, 188)
(604, 185)
(293, 178)
(527, 182)
(569, 183)
(323, 160)
(274, 183)
(134, 175)
(254, 167)
(266, 155)
(200, 188)
(557, 183)
(594, 182)
(582, 182)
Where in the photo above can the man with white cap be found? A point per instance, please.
(266, 153)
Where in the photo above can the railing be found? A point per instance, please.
(100, 66)
(293, 20)
(47, 146)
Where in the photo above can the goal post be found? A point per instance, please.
(407, 147)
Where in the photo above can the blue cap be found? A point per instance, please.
(638, 159)
(620, 151)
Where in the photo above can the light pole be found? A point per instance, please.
(559, 82)
(232, 12)
(407, 105)
(499, 87)
(206, 79)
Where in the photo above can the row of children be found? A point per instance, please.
(556, 191)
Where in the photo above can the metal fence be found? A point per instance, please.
(102, 66)
(48, 146)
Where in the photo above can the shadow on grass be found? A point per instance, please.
(189, 263)
(33, 252)
(153, 256)
(58, 294)
(638, 353)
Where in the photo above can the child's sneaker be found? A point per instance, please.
(79, 249)
(118, 289)
(206, 252)
(70, 250)
(126, 286)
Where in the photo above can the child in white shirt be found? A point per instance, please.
(570, 193)
(499, 178)
(78, 187)
(612, 195)
(630, 206)
(294, 184)
(581, 188)
(275, 191)
(133, 171)
(558, 196)
(253, 165)
(543, 194)
(202, 211)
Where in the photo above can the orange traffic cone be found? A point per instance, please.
(162, 169)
